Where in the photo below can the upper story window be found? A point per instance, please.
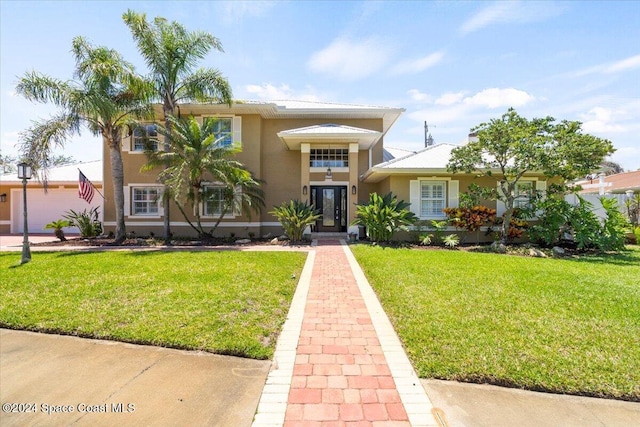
(433, 198)
(329, 158)
(145, 138)
(223, 130)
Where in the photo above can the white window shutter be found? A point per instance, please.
(126, 142)
(500, 206)
(541, 185)
(414, 196)
(160, 203)
(127, 200)
(454, 189)
(237, 129)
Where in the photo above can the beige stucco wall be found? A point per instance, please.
(283, 172)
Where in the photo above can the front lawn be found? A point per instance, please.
(223, 302)
(559, 325)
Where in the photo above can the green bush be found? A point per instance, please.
(86, 221)
(383, 216)
(295, 216)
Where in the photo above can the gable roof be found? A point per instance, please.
(390, 153)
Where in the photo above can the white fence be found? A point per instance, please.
(597, 206)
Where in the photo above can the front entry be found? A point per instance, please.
(331, 201)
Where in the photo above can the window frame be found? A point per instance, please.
(523, 201)
(231, 132)
(139, 147)
(147, 201)
(334, 158)
(203, 203)
(444, 198)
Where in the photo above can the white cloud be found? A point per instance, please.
(450, 98)
(416, 95)
(601, 120)
(350, 60)
(611, 67)
(234, 11)
(415, 66)
(268, 91)
(510, 12)
(495, 97)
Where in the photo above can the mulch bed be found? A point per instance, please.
(152, 242)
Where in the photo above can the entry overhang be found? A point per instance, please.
(329, 134)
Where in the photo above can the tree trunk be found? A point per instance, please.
(117, 176)
(167, 110)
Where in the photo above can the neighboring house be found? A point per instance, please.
(44, 207)
(331, 155)
(619, 183)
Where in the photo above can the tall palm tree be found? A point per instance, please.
(105, 96)
(197, 155)
(172, 54)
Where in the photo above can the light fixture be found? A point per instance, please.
(329, 172)
(353, 189)
(3, 197)
(304, 190)
(24, 173)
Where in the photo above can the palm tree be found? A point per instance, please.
(198, 155)
(105, 97)
(172, 54)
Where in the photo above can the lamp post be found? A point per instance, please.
(24, 173)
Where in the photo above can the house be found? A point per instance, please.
(619, 183)
(43, 206)
(300, 150)
(331, 155)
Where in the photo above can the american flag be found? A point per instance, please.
(85, 188)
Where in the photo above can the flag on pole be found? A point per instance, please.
(85, 188)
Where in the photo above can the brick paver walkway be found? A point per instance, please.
(343, 367)
(340, 371)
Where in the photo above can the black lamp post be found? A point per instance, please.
(24, 173)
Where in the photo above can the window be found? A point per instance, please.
(145, 201)
(433, 198)
(524, 192)
(329, 158)
(145, 138)
(213, 201)
(222, 129)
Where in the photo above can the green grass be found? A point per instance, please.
(559, 325)
(223, 302)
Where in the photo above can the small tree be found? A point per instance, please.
(57, 227)
(295, 216)
(383, 216)
(508, 148)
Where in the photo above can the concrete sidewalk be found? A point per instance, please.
(105, 383)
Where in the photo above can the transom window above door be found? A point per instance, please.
(329, 158)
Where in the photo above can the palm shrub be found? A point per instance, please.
(383, 216)
(295, 216)
(57, 227)
(86, 221)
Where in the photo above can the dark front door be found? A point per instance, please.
(331, 201)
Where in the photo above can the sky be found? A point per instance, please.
(454, 64)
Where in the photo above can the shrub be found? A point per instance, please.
(614, 228)
(86, 221)
(57, 226)
(383, 216)
(471, 218)
(451, 240)
(295, 216)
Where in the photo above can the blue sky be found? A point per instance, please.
(453, 64)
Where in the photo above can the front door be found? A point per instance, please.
(331, 201)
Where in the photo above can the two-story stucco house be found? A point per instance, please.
(331, 155)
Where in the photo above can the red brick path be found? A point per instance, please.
(340, 376)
